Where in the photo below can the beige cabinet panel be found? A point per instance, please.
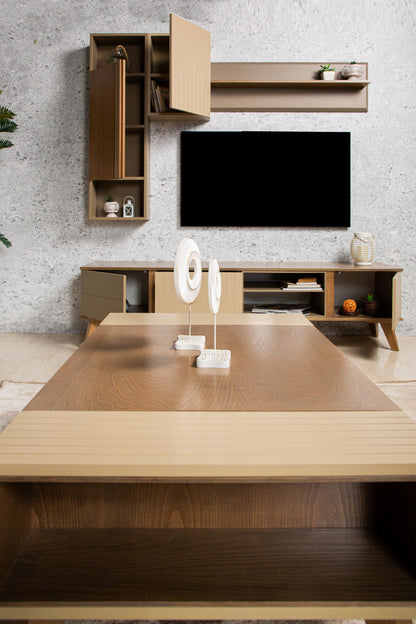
(396, 314)
(102, 293)
(189, 67)
(166, 299)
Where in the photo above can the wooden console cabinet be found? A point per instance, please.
(149, 287)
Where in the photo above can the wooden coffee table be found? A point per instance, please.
(137, 486)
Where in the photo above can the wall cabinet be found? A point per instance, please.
(149, 287)
(170, 77)
(121, 106)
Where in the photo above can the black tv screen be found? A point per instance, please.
(265, 179)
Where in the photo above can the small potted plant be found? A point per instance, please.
(111, 207)
(370, 305)
(327, 72)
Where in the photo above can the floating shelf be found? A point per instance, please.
(284, 87)
(314, 84)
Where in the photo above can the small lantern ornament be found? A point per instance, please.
(128, 206)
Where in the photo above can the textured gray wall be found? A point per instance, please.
(43, 182)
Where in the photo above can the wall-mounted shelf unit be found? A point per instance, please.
(284, 87)
(121, 106)
(119, 130)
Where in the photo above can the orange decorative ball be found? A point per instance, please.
(349, 305)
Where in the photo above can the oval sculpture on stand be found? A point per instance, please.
(187, 286)
(214, 358)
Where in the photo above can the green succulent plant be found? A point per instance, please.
(327, 67)
(6, 125)
(370, 297)
(109, 198)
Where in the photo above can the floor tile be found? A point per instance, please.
(375, 358)
(34, 357)
(13, 398)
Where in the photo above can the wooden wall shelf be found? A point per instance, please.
(284, 87)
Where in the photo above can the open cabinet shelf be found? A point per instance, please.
(102, 550)
(180, 566)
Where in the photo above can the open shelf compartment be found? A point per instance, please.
(184, 544)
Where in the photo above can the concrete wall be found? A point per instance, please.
(43, 182)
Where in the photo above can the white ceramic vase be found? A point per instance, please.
(363, 248)
(328, 75)
(111, 209)
(353, 71)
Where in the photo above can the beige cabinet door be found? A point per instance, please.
(102, 293)
(166, 299)
(107, 121)
(396, 313)
(189, 67)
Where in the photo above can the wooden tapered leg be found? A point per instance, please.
(390, 335)
(374, 329)
(92, 326)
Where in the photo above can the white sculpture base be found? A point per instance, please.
(214, 358)
(190, 343)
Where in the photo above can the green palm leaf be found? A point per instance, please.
(5, 143)
(5, 241)
(7, 126)
(6, 113)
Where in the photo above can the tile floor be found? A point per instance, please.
(29, 360)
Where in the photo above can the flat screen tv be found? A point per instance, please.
(265, 179)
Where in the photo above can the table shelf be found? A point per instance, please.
(209, 566)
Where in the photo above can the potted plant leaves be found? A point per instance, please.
(327, 72)
(370, 305)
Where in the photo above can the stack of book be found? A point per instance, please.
(160, 97)
(308, 284)
(281, 308)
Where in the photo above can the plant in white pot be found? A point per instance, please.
(111, 207)
(327, 72)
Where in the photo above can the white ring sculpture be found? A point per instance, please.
(188, 257)
(187, 286)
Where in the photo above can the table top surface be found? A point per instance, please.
(274, 367)
(126, 405)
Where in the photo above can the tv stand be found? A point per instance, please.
(149, 287)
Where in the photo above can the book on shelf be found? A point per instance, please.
(281, 308)
(301, 286)
(160, 97)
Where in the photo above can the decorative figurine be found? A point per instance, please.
(128, 206)
(214, 358)
(187, 288)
